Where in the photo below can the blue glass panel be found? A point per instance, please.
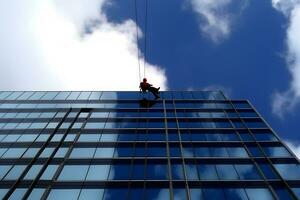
(265, 137)
(14, 153)
(207, 172)
(218, 152)
(109, 95)
(73, 172)
(156, 151)
(191, 172)
(255, 151)
(37, 95)
(73, 96)
(62, 95)
(276, 152)
(49, 172)
(177, 172)
(49, 96)
(188, 152)
(247, 172)
(138, 171)
(202, 152)
(14, 96)
(89, 138)
(3, 170)
(241, 104)
(238, 152)
(84, 96)
(259, 194)
(91, 194)
(3, 192)
(235, 194)
(230, 137)
(104, 152)
(15, 172)
(95, 95)
(18, 194)
(226, 172)
(213, 194)
(213, 137)
(268, 171)
(25, 96)
(296, 192)
(98, 172)
(36, 194)
(175, 152)
(196, 194)
(288, 171)
(255, 124)
(119, 172)
(156, 172)
(140, 151)
(283, 194)
(82, 152)
(33, 172)
(180, 194)
(68, 194)
(112, 194)
(123, 152)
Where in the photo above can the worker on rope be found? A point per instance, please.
(144, 86)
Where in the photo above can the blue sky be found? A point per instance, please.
(248, 64)
(249, 49)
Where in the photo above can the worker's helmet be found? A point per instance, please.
(144, 80)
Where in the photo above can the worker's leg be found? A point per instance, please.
(154, 92)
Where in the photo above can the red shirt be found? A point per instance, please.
(144, 86)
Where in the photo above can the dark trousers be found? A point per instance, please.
(154, 91)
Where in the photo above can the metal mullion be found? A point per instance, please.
(168, 152)
(61, 165)
(268, 159)
(50, 158)
(90, 162)
(181, 151)
(250, 156)
(27, 147)
(8, 194)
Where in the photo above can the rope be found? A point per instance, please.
(137, 39)
(145, 40)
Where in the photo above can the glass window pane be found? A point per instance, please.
(98, 172)
(67, 194)
(213, 193)
(36, 193)
(73, 172)
(259, 194)
(247, 172)
(227, 172)
(207, 172)
(82, 152)
(15, 172)
(235, 193)
(49, 172)
(288, 171)
(91, 194)
(18, 193)
(33, 172)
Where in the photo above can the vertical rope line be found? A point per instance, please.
(145, 40)
(137, 38)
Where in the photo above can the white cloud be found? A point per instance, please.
(294, 147)
(216, 16)
(44, 46)
(286, 101)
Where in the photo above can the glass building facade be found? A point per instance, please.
(116, 145)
